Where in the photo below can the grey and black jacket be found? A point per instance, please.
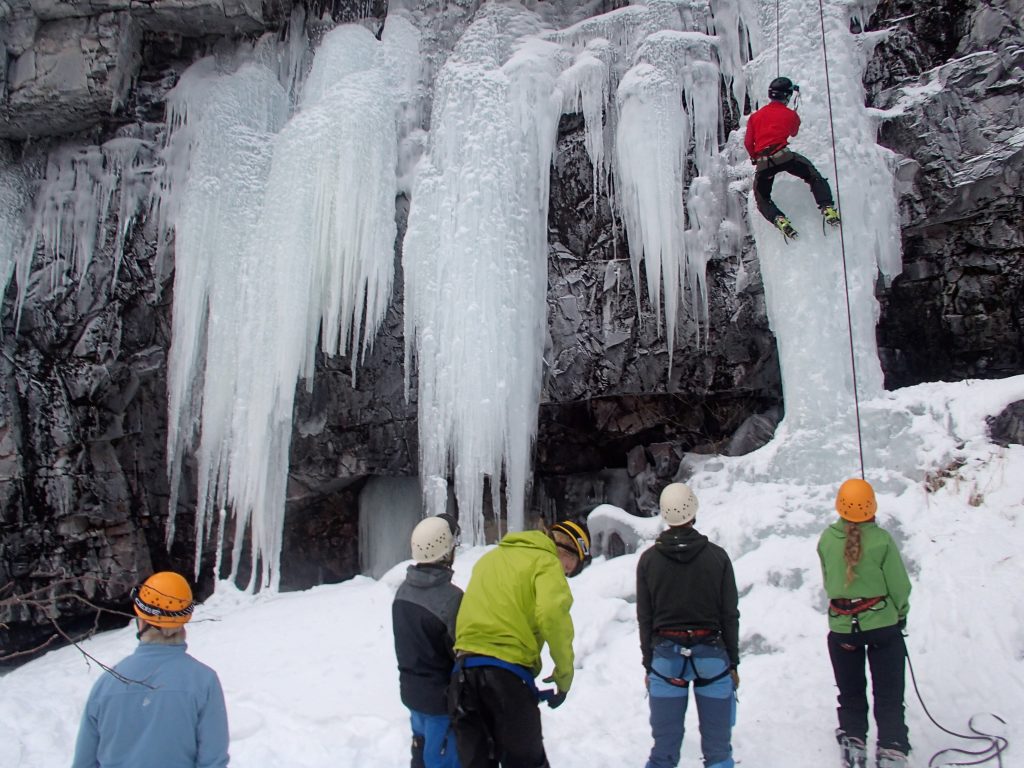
(423, 616)
(686, 582)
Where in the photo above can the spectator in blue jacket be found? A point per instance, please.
(160, 708)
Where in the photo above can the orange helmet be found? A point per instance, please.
(855, 501)
(164, 600)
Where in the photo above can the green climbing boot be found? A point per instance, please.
(785, 227)
(830, 215)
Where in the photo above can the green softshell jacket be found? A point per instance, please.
(880, 573)
(518, 599)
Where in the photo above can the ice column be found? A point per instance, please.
(227, 121)
(804, 285)
(285, 236)
(652, 140)
(475, 263)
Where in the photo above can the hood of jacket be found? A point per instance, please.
(682, 543)
(529, 540)
(426, 576)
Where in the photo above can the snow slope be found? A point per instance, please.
(310, 677)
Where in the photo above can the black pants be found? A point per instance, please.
(885, 653)
(798, 166)
(496, 720)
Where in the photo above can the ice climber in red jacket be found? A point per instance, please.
(768, 133)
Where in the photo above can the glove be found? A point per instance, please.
(558, 697)
(735, 675)
(901, 625)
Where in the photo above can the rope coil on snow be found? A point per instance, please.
(997, 745)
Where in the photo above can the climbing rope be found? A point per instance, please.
(778, 70)
(996, 744)
(842, 240)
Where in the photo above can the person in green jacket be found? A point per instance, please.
(869, 593)
(517, 600)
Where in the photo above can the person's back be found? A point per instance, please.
(166, 712)
(518, 598)
(160, 708)
(687, 611)
(423, 619)
(770, 128)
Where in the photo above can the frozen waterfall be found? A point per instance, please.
(277, 187)
(804, 282)
(475, 255)
(284, 236)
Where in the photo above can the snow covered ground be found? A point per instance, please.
(310, 677)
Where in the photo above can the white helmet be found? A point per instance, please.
(678, 504)
(434, 539)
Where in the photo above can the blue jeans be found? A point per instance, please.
(439, 740)
(716, 704)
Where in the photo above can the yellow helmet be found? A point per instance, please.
(855, 501)
(164, 600)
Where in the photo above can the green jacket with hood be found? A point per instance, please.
(518, 599)
(879, 573)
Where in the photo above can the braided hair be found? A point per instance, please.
(852, 550)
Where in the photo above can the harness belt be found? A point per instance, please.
(771, 157)
(851, 606)
(470, 662)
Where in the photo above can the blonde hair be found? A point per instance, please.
(852, 551)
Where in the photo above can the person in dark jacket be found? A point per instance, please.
(423, 615)
(160, 706)
(869, 599)
(687, 607)
(767, 142)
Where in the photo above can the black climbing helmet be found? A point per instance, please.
(781, 89)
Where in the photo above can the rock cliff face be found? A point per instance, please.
(83, 484)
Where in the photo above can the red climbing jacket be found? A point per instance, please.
(769, 129)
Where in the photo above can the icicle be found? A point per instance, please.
(585, 86)
(475, 263)
(224, 123)
(281, 240)
(13, 199)
(651, 143)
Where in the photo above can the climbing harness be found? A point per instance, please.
(684, 639)
(458, 697)
(471, 662)
(994, 750)
(853, 607)
(771, 157)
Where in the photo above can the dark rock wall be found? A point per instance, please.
(83, 486)
(957, 311)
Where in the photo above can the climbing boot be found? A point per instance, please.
(853, 751)
(785, 227)
(890, 758)
(830, 215)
